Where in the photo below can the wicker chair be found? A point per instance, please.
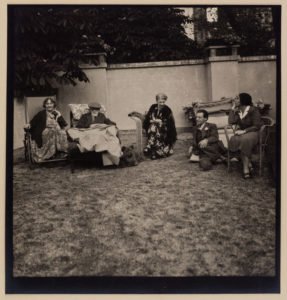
(32, 106)
(262, 144)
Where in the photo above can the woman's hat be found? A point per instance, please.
(95, 105)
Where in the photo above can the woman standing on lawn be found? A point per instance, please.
(247, 119)
(160, 128)
(47, 132)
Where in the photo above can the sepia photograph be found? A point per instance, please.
(143, 148)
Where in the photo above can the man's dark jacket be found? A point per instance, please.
(215, 147)
(87, 119)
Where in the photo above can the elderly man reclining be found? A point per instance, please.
(206, 143)
(95, 132)
(93, 117)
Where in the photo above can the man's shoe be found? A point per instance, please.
(194, 158)
(246, 176)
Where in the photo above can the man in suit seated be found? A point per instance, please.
(206, 144)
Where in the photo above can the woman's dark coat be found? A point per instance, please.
(167, 118)
(38, 124)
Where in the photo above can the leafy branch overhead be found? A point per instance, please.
(50, 44)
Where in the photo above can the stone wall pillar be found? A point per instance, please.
(222, 72)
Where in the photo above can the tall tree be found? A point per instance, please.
(251, 27)
(146, 33)
(50, 43)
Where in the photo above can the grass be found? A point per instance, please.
(160, 218)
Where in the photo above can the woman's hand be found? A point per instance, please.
(234, 107)
(239, 132)
(235, 104)
(57, 114)
(159, 121)
(27, 126)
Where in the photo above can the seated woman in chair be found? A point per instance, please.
(160, 128)
(47, 132)
(247, 119)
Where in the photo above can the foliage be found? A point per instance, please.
(49, 45)
(264, 108)
(189, 112)
(146, 33)
(250, 27)
(50, 42)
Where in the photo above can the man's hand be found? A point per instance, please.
(239, 132)
(203, 144)
(190, 150)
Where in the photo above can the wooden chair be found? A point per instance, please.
(264, 133)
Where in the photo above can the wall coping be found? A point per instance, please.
(91, 66)
(222, 58)
(257, 58)
(222, 46)
(188, 62)
(169, 63)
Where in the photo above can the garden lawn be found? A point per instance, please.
(160, 218)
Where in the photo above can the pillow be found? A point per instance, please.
(78, 110)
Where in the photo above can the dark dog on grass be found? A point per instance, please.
(130, 157)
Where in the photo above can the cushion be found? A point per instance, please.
(78, 110)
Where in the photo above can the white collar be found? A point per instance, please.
(242, 115)
(202, 126)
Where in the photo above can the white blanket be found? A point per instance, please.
(98, 138)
